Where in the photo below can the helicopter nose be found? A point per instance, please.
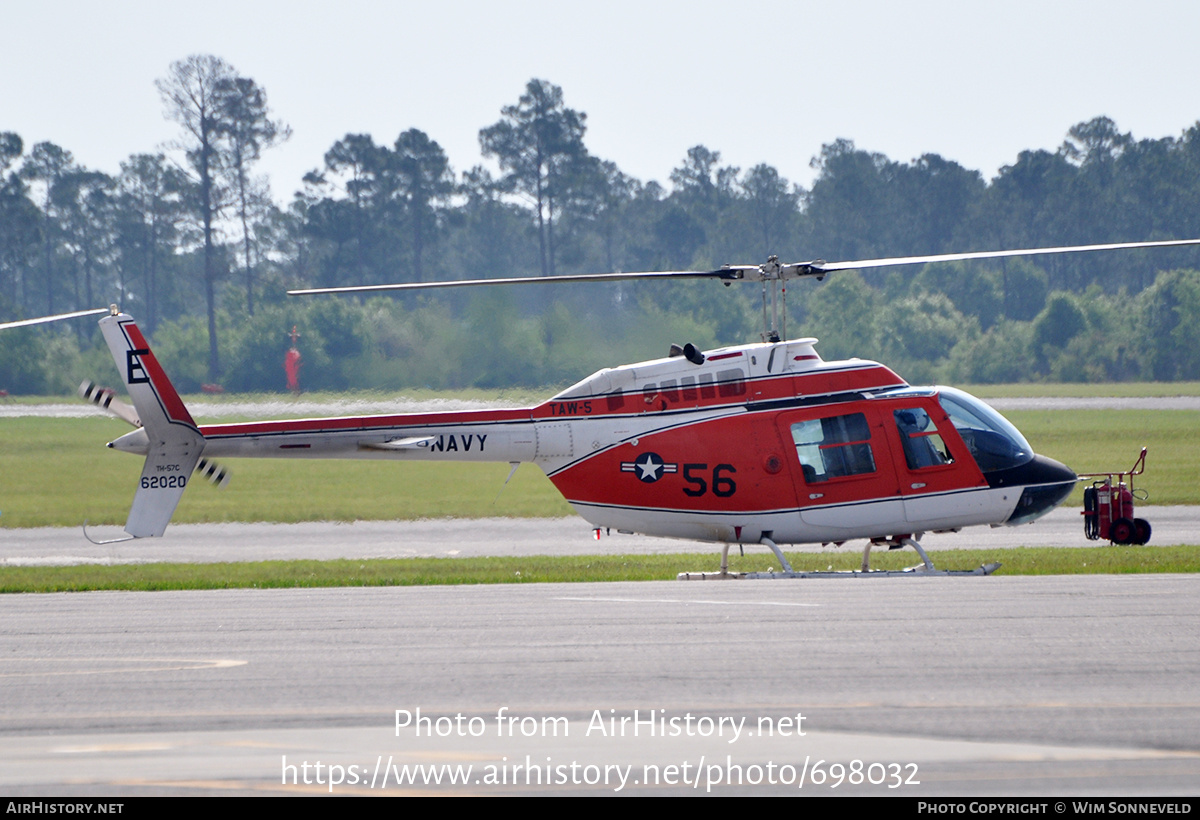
(1046, 482)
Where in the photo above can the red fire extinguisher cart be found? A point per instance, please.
(1108, 506)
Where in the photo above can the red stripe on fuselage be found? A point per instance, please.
(341, 424)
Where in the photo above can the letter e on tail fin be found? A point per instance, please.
(157, 403)
(175, 442)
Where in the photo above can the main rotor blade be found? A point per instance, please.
(43, 319)
(734, 272)
(753, 273)
(961, 257)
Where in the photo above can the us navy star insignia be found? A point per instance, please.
(649, 467)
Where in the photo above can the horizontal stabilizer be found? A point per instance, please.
(413, 443)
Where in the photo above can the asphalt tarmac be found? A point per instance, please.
(491, 536)
(1000, 686)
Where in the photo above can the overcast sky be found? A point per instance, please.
(757, 81)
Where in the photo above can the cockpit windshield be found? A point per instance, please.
(994, 442)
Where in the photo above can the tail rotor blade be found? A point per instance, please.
(217, 475)
(105, 398)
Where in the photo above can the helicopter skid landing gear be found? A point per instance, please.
(925, 568)
(895, 544)
(725, 574)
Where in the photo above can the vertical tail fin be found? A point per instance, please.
(174, 441)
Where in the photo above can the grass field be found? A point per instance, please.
(572, 569)
(1079, 390)
(516, 396)
(1093, 441)
(57, 472)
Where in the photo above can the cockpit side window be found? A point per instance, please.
(834, 447)
(923, 446)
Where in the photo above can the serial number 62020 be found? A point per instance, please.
(158, 482)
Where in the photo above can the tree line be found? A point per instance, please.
(191, 241)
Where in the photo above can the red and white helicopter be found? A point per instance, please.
(754, 444)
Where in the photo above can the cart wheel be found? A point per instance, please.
(1142, 531)
(1122, 531)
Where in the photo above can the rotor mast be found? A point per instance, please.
(775, 325)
